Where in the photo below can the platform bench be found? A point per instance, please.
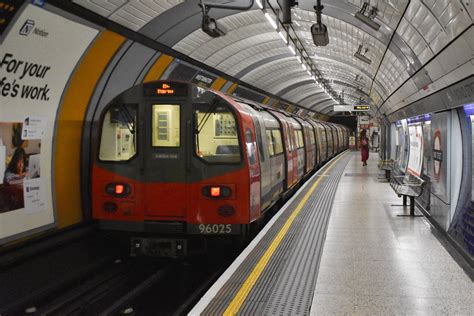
(407, 185)
(387, 166)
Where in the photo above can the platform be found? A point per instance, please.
(338, 247)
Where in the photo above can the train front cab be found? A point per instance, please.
(174, 158)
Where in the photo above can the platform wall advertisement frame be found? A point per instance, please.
(37, 57)
(415, 160)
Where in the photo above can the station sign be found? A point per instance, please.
(351, 108)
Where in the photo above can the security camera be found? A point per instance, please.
(211, 28)
(320, 34)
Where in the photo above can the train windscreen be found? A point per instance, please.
(216, 134)
(118, 141)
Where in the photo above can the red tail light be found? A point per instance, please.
(215, 191)
(119, 188)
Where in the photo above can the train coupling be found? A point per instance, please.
(158, 247)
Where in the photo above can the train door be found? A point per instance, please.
(164, 159)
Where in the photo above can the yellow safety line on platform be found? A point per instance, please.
(249, 283)
(157, 70)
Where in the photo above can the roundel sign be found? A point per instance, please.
(437, 154)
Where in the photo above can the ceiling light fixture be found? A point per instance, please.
(361, 56)
(292, 49)
(368, 19)
(283, 37)
(271, 20)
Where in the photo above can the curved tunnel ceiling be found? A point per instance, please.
(411, 34)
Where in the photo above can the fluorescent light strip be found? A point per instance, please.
(299, 59)
(271, 20)
(309, 72)
(303, 66)
(283, 37)
(292, 49)
(259, 3)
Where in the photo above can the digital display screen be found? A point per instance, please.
(361, 107)
(166, 89)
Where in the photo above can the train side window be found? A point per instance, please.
(271, 146)
(258, 133)
(276, 134)
(118, 135)
(300, 138)
(165, 125)
(311, 137)
(250, 149)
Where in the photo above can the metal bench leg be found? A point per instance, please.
(412, 207)
(404, 200)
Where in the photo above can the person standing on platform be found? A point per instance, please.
(364, 147)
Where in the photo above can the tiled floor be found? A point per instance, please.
(375, 262)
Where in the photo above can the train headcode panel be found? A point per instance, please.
(166, 89)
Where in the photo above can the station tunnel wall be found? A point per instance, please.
(57, 72)
(70, 69)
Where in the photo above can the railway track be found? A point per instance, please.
(128, 286)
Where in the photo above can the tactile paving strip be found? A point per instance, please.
(287, 283)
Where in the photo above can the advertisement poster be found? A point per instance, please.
(415, 161)
(404, 144)
(37, 57)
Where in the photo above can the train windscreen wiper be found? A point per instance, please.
(207, 115)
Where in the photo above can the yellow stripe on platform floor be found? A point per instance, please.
(249, 283)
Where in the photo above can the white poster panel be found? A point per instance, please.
(415, 161)
(37, 58)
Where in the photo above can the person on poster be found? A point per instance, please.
(16, 170)
(364, 147)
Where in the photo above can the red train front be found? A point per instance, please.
(175, 158)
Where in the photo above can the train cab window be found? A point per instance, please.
(271, 145)
(299, 133)
(165, 125)
(278, 143)
(216, 134)
(118, 136)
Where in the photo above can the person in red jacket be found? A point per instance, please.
(364, 147)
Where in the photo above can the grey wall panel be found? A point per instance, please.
(453, 96)
(126, 72)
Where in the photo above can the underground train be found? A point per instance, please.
(176, 159)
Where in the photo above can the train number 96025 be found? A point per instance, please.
(215, 228)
